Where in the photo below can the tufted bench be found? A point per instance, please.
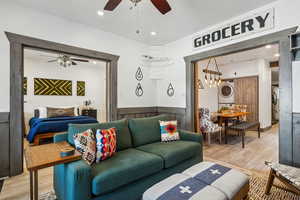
(242, 127)
(206, 180)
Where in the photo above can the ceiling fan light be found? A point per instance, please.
(100, 13)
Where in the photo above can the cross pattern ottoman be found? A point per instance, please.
(206, 180)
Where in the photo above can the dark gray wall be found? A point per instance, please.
(174, 113)
(4, 146)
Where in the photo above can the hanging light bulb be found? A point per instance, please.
(205, 78)
(211, 80)
(219, 82)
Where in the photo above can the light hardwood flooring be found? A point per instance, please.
(251, 158)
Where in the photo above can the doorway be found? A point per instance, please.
(245, 87)
(285, 79)
(17, 45)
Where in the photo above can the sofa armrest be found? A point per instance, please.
(190, 136)
(78, 178)
(60, 137)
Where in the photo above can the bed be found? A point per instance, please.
(41, 128)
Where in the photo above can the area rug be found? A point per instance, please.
(257, 189)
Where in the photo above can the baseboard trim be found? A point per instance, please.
(266, 128)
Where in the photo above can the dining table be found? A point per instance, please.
(224, 117)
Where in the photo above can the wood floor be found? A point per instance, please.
(251, 158)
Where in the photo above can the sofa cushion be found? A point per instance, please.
(123, 168)
(173, 152)
(123, 134)
(146, 130)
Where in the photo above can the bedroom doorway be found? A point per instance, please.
(16, 119)
(58, 82)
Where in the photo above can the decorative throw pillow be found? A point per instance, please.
(85, 143)
(60, 112)
(106, 141)
(168, 130)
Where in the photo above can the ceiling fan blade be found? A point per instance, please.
(162, 5)
(74, 63)
(112, 4)
(52, 61)
(79, 60)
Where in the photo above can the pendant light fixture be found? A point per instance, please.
(212, 76)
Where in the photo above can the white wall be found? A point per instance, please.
(296, 87)
(265, 93)
(93, 75)
(209, 96)
(40, 25)
(287, 15)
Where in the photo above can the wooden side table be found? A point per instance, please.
(43, 156)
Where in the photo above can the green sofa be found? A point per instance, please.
(140, 162)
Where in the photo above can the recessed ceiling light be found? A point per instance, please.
(268, 46)
(153, 33)
(277, 55)
(100, 12)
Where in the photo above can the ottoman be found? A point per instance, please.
(181, 187)
(233, 183)
(206, 180)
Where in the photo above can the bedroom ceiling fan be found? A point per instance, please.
(162, 5)
(67, 61)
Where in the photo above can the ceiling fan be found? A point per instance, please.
(67, 61)
(162, 5)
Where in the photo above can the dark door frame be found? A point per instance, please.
(285, 78)
(17, 45)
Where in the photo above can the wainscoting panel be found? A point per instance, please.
(174, 113)
(296, 139)
(4, 145)
(137, 112)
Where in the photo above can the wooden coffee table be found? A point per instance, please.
(43, 156)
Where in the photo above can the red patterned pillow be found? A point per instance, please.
(85, 143)
(106, 143)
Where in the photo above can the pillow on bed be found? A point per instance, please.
(60, 112)
(42, 111)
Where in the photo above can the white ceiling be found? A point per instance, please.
(44, 57)
(186, 17)
(249, 55)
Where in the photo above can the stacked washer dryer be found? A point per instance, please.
(226, 94)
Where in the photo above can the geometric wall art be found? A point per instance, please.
(80, 88)
(52, 87)
(25, 86)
